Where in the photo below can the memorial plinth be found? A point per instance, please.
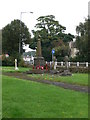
(39, 60)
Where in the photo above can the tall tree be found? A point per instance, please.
(51, 33)
(12, 34)
(82, 41)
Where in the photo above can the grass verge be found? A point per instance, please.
(12, 69)
(79, 79)
(27, 99)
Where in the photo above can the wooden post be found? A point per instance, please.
(50, 63)
(77, 64)
(55, 65)
(61, 63)
(69, 64)
(46, 66)
(86, 64)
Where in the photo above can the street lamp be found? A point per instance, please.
(20, 30)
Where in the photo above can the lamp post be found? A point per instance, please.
(20, 30)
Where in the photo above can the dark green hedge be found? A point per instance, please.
(76, 69)
(8, 62)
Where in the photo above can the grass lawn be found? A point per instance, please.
(12, 69)
(28, 99)
(80, 79)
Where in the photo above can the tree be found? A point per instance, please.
(51, 33)
(82, 41)
(61, 52)
(12, 34)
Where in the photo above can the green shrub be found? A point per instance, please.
(75, 69)
(8, 61)
(22, 63)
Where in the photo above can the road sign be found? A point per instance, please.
(53, 51)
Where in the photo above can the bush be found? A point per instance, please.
(75, 69)
(7, 61)
(22, 63)
(10, 60)
(79, 58)
(79, 70)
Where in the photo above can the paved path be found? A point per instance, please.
(59, 84)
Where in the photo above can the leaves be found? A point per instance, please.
(82, 41)
(52, 35)
(12, 34)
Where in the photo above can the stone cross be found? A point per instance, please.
(39, 53)
(39, 60)
(66, 62)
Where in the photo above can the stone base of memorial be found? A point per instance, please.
(39, 61)
(38, 68)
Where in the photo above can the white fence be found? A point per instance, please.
(74, 64)
(71, 64)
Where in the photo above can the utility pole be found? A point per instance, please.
(20, 40)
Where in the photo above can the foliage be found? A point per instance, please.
(74, 69)
(51, 34)
(61, 52)
(23, 64)
(7, 61)
(26, 99)
(82, 41)
(12, 34)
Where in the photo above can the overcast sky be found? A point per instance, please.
(68, 12)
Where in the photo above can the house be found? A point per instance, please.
(29, 54)
(73, 49)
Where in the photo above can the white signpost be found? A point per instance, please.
(53, 51)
